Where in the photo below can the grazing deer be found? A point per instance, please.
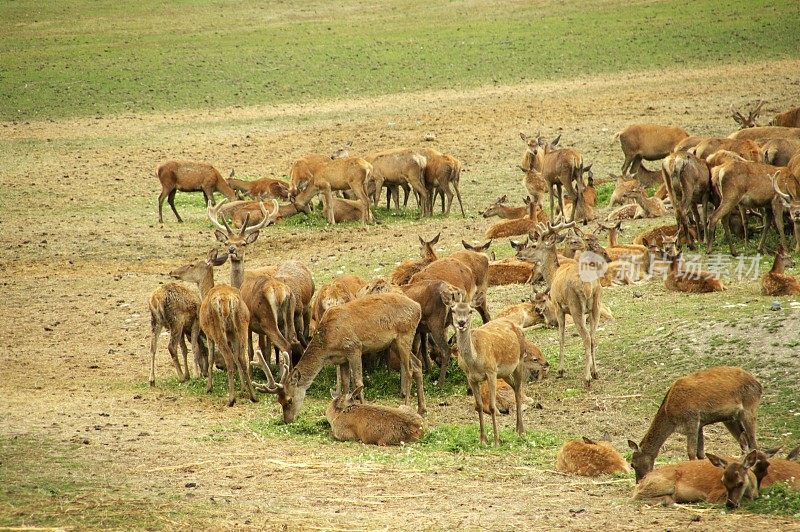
(790, 118)
(442, 176)
(224, 319)
(558, 167)
(260, 189)
(352, 420)
(778, 152)
(688, 181)
(777, 283)
(340, 290)
(365, 325)
(316, 174)
(176, 307)
(694, 281)
(575, 292)
(405, 270)
(699, 481)
(588, 458)
(647, 141)
(519, 226)
(188, 176)
(719, 394)
(396, 167)
(750, 121)
(496, 349)
(500, 209)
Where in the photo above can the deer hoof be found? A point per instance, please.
(560, 374)
(152, 384)
(588, 384)
(595, 375)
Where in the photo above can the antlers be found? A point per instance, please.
(774, 179)
(272, 386)
(268, 218)
(549, 229)
(751, 117)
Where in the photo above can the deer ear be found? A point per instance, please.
(221, 237)
(334, 394)
(467, 246)
(588, 441)
(252, 237)
(436, 238)
(633, 445)
(717, 461)
(750, 460)
(794, 453)
(606, 436)
(769, 453)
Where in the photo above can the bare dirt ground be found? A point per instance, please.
(81, 252)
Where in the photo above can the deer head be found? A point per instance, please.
(736, 477)
(290, 396)
(236, 242)
(750, 121)
(478, 249)
(789, 203)
(196, 272)
(426, 246)
(641, 462)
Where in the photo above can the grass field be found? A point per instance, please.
(94, 95)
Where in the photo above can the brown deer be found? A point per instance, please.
(535, 365)
(647, 141)
(649, 207)
(340, 290)
(656, 234)
(750, 121)
(500, 209)
(260, 189)
(688, 143)
(536, 185)
(352, 420)
(789, 200)
(342, 210)
(790, 118)
(689, 280)
(405, 270)
(452, 271)
(365, 325)
(777, 283)
(719, 394)
(688, 181)
(747, 149)
(496, 349)
(314, 175)
(509, 271)
(175, 307)
(475, 258)
(764, 133)
(778, 152)
(251, 211)
(519, 226)
(398, 166)
(771, 470)
(188, 176)
(558, 167)
(575, 292)
(699, 481)
(442, 176)
(224, 319)
(589, 458)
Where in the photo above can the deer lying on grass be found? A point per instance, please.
(316, 174)
(509, 271)
(570, 292)
(777, 283)
(656, 235)
(342, 210)
(500, 209)
(352, 420)
(790, 118)
(589, 458)
(689, 280)
(558, 167)
(688, 181)
(442, 176)
(747, 149)
(340, 290)
(699, 481)
(519, 226)
(496, 349)
(778, 152)
(176, 307)
(750, 121)
(261, 189)
(366, 325)
(188, 176)
(764, 133)
(719, 394)
(405, 270)
(649, 207)
(771, 470)
(647, 141)
(251, 211)
(398, 166)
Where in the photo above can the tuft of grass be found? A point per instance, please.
(778, 499)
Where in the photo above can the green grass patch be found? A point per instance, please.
(778, 499)
(86, 58)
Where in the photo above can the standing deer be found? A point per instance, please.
(647, 141)
(398, 166)
(574, 288)
(558, 168)
(316, 174)
(719, 394)
(688, 181)
(495, 349)
(442, 176)
(188, 176)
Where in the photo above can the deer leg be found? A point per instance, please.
(594, 318)
(243, 365)
(719, 213)
(173, 352)
(627, 163)
(161, 198)
(418, 378)
(199, 361)
(777, 215)
(726, 228)
(356, 371)
(691, 439)
(578, 312)
(735, 427)
(476, 394)
(767, 224)
(458, 197)
(418, 185)
(185, 353)
(561, 329)
(517, 381)
(155, 332)
(552, 203)
(491, 384)
(441, 343)
(796, 230)
(561, 201)
(483, 310)
(748, 422)
(635, 164)
(696, 221)
(211, 349)
(171, 201)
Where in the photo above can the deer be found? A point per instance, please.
(558, 167)
(690, 280)
(365, 325)
(747, 185)
(442, 176)
(398, 166)
(259, 189)
(790, 118)
(176, 307)
(764, 133)
(505, 402)
(340, 290)
(574, 292)
(582, 208)
(500, 209)
(699, 481)
(495, 349)
(747, 149)
(688, 143)
(452, 271)
(750, 121)
(650, 207)
(771, 470)
(776, 282)
(778, 152)
(723, 394)
(342, 210)
(656, 234)
(647, 141)
(688, 181)
(789, 200)
(380, 425)
(188, 176)
(405, 270)
(509, 271)
(314, 174)
(224, 319)
(589, 458)
(536, 185)
(475, 258)
(519, 226)
(251, 211)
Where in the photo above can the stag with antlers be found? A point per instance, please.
(750, 121)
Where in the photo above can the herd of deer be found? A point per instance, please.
(405, 318)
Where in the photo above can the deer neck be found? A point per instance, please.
(310, 364)
(660, 429)
(612, 237)
(549, 266)
(206, 283)
(777, 265)
(464, 343)
(237, 273)
(226, 189)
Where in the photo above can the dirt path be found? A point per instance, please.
(81, 252)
